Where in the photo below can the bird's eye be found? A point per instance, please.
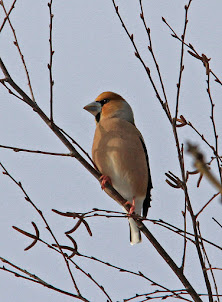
(103, 102)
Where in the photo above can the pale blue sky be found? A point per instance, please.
(93, 54)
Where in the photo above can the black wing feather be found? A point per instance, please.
(147, 200)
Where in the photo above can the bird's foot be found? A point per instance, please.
(132, 206)
(104, 180)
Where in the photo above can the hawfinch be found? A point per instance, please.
(120, 154)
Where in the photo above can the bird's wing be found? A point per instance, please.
(147, 200)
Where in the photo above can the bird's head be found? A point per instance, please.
(109, 105)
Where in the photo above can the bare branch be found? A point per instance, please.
(193, 52)
(208, 261)
(35, 279)
(215, 195)
(16, 149)
(51, 53)
(217, 222)
(185, 235)
(204, 139)
(138, 274)
(150, 47)
(16, 43)
(137, 54)
(181, 59)
(212, 118)
(7, 15)
(75, 143)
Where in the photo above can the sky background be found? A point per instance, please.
(92, 55)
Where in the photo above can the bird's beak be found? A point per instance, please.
(94, 108)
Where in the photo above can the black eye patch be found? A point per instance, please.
(103, 102)
(98, 117)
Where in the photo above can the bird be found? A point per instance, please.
(120, 155)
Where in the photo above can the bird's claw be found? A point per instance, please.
(132, 206)
(104, 180)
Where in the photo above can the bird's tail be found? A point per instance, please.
(135, 235)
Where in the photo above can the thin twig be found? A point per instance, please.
(204, 139)
(20, 53)
(208, 261)
(217, 222)
(9, 90)
(120, 215)
(22, 270)
(181, 59)
(78, 145)
(7, 15)
(138, 274)
(158, 294)
(150, 47)
(185, 236)
(93, 280)
(16, 149)
(181, 232)
(201, 210)
(51, 53)
(184, 213)
(213, 123)
(215, 268)
(193, 51)
(137, 54)
(37, 280)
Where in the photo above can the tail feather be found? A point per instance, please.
(135, 234)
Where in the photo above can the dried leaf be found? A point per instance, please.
(75, 246)
(74, 228)
(35, 237)
(172, 185)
